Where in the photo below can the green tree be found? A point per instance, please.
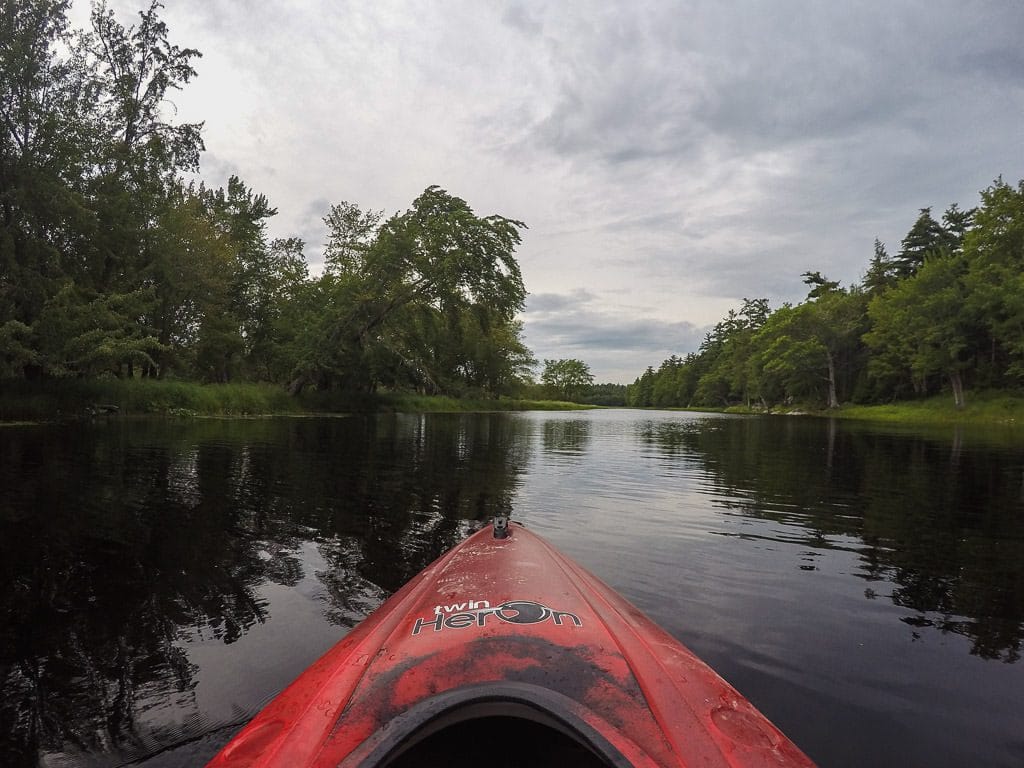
(994, 251)
(82, 333)
(665, 390)
(809, 345)
(350, 233)
(881, 274)
(138, 67)
(266, 276)
(426, 266)
(725, 355)
(139, 152)
(46, 95)
(567, 378)
(790, 360)
(190, 267)
(282, 301)
(640, 394)
(922, 326)
(924, 238)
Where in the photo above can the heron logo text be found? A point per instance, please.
(476, 613)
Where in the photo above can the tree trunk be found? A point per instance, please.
(957, 383)
(833, 401)
(298, 384)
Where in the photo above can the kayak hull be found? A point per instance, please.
(509, 628)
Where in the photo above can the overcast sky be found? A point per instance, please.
(669, 158)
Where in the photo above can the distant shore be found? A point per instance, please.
(59, 400)
(23, 402)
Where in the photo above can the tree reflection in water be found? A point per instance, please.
(122, 543)
(146, 565)
(940, 523)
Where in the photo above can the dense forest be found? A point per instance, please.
(944, 314)
(115, 262)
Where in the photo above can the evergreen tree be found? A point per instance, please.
(926, 236)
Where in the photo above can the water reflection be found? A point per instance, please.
(566, 438)
(121, 544)
(159, 580)
(942, 523)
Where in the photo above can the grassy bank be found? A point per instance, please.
(70, 398)
(1003, 408)
(980, 408)
(22, 401)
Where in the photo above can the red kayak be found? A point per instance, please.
(505, 652)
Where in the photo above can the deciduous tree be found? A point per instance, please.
(566, 378)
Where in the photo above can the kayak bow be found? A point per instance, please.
(507, 652)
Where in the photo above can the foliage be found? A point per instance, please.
(608, 395)
(112, 264)
(946, 312)
(984, 407)
(921, 325)
(994, 283)
(566, 379)
(86, 398)
(426, 301)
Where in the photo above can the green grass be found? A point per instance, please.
(22, 401)
(64, 398)
(997, 407)
(980, 408)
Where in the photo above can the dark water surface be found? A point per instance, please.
(161, 580)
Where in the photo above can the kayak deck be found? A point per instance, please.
(500, 648)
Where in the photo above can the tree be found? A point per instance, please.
(45, 133)
(350, 233)
(281, 303)
(994, 251)
(566, 378)
(819, 284)
(432, 264)
(265, 277)
(789, 359)
(640, 394)
(139, 152)
(922, 326)
(82, 333)
(725, 354)
(837, 320)
(808, 345)
(881, 274)
(925, 237)
(665, 391)
(190, 267)
(139, 66)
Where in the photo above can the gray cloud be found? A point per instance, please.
(618, 344)
(519, 17)
(670, 158)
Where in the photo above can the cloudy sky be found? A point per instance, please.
(669, 158)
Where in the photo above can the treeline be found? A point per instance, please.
(946, 313)
(113, 264)
(570, 380)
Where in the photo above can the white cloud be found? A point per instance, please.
(669, 158)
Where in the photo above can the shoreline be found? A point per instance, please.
(25, 403)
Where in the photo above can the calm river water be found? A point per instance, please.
(161, 580)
